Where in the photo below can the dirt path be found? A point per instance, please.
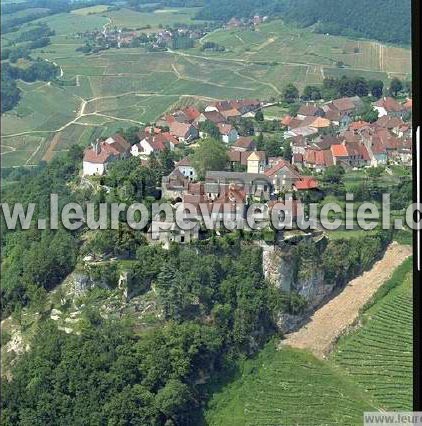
(331, 320)
(53, 144)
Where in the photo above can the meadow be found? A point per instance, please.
(126, 87)
(369, 370)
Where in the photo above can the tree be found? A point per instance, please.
(166, 159)
(211, 154)
(260, 144)
(131, 134)
(311, 93)
(290, 93)
(287, 151)
(272, 147)
(370, 116)
(334, 174)
(259, 116)
(376, 88)
(245, 127)
(210, 128)
(361, 86)
(173, 400)
(396, 86)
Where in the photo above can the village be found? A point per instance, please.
(319, 136)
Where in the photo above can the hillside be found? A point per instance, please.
(384, 20)
(292, 386)
(93, 99)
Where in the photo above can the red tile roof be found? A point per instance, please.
(192, 113)
(285, 121)
(356, 125)
(339, 150)
(104, 153)
(306, 182)
(214, 116)
(179, 130)
(389, 104)
(184, 162)
(224, 128)
(408, 104)
(244, 142)
(278, 166)
(118, 142)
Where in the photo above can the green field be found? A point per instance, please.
(131, 86)
(288, 387)
(99, 8)
(370, 370)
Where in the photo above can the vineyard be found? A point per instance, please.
(289, 387)
(370, 369)
(379, 355)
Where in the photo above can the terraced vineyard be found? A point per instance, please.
(370, 370)
(379, 355)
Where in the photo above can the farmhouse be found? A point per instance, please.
(309, 110)
(154, 143)
(255, 185)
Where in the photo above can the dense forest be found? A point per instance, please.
(222, 10)
(384, 20)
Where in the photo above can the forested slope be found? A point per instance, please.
(384, 20)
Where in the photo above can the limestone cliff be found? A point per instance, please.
(296, 269)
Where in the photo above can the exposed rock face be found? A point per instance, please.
(303, 276)
(81, 283)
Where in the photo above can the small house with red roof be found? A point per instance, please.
(184, 132)
(101, 154)
(228, 133)
(389, 106)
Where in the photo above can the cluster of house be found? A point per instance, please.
(225, 195)
(245, 22)
(165, 37)
(181, 127)
(355, 143)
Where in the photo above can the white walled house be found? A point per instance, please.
(97, 158)
(136, 150)
(389, 106)
(101, 153)
(228, 133)
(186, 169)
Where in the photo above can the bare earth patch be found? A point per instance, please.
(329, 322)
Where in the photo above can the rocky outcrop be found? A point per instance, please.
(300, 274)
